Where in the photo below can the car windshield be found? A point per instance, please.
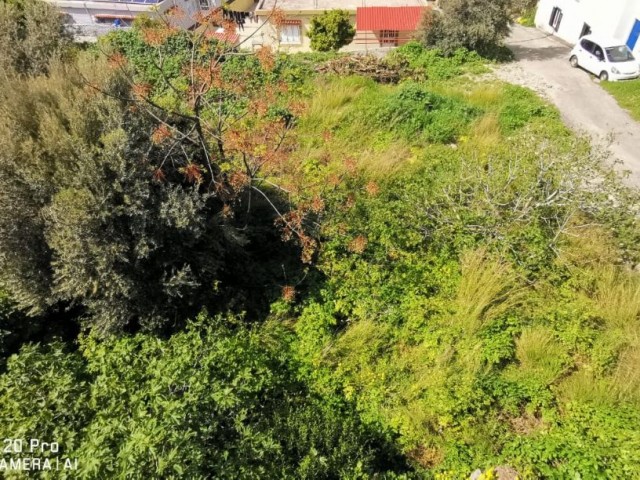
(619, 54)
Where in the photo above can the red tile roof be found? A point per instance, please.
(388, 18)
(226, 37)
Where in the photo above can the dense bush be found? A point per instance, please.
(32, 35)
(435, 64)
(469, 300)
(134, 199)
(214, 400)
(331, 30)
(415, 112)
(472, 24)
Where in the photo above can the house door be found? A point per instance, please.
(633, 37)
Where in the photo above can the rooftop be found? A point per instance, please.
(388, 18)
(352, 5)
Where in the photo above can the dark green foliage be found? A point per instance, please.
(331, 30)
(216, 400)
(97, 229)
(116, 217)
(473, 24)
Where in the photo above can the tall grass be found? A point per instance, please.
(540, 355)
(584, 386)
(333, 101)
(487, 289)
(485, 133)
(626, 377)
(617, 297)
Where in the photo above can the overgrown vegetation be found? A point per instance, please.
(471, 298)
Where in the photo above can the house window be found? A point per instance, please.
(389, 38)
(556, 18)
(291, 33)
(204, 5)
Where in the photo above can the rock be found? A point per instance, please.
(476, 475)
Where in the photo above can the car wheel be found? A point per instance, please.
(574, 61)
(604, 76)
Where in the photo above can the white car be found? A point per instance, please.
(607, 59)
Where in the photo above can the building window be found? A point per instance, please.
(389, 38)
(204, 5)
(556, 18)
(291, 33)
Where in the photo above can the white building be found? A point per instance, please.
(571, 19)
(92, 18)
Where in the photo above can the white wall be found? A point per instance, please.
(612, 18)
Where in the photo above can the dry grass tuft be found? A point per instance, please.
(540, 355)
(617, 297)
(485, 133)
(487, 289)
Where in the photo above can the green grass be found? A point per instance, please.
(627, 94)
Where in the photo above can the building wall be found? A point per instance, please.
(372, 38)
(614, 19)
(267, 34)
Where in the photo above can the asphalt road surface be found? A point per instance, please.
(542, 64)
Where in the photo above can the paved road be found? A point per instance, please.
(543, 65)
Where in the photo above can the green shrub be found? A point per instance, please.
(437, 65)
(415, 112)
(520, 106)
(216, 399)
(473, 24)
(331, 30)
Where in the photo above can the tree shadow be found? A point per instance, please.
(526, 52)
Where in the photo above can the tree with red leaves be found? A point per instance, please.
(158, 181)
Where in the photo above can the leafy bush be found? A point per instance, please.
(331, 30)
(415, 112)
(520, 107)
(214, 400)
(437, 65)
(473, 24)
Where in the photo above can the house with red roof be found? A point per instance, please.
(379, 23)
(387, 26)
